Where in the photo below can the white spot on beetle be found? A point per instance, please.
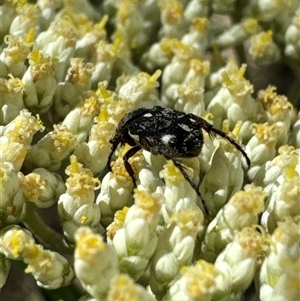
(167, 138)
(185, 127)
(148, 115)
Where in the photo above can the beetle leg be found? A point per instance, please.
(185, 175)
(115, 142)
(127, 165)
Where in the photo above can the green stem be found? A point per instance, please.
(49, 238)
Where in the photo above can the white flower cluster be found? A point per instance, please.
(71, 70)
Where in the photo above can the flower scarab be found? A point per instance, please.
(168, 132)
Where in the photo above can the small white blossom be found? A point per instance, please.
(12, 98)
(27, 19)
(50, 269)
(77, 82)
(262, 48)
(196, 8)
(52, 149)
(279, 275)
(17, 136)
(172, 19)
(169, 258)
(178, 191)
(116, 192)
(76, 206)
(136, 241)
(39, 82)
(123, 288)
(96, 262)
(202, 281)
(41, 187)
(241, 211)
(58, 42)
(197, 35)
(238, 33)
(223, 177)
(139, 89)
(81, 118)
(281, 179)
(13, 56)
(94, 153)
(241, 257)
(233, 99)
(292, 47)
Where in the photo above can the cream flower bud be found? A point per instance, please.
(115, 192)
(279, 275)
(96, 263)
(48, 11)
(17, 136)
(140, 89)
(157, 56)
(12, 98)
(14, 55)
(277, 107)
(76, 207)
(197, 36)
(177, 188)
(172, 19)
(8, 13)
(284, 197)
(135, 243)
(80, 120)
(241, 211)
(176, 71)
(281, 11)
(52, 149)
(196, 8)
(124, 289)
(78, 80)
(50, 269)
(92, 34)
(261, 147)
(191, 286)
(292, 47)
(94, 153)
(233, 100)
(58, 42)
(238, 33)
(39, 82)
(41, 187)
(216, 190)
(130, 19)
(262, 48)
(241, 256)
(169, 258)
(22, 128)
(15, 242)
(287, 159)
(106, 57)
(191, 91)
(26, 19)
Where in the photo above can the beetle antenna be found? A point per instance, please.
(207, 127)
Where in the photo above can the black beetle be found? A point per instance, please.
(168, 132)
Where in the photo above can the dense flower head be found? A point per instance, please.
(90, 179)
